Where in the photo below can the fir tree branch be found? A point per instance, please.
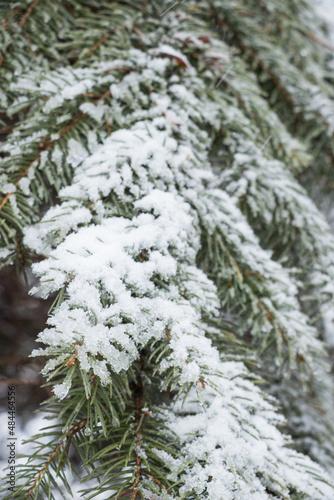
(275, 78)
(70, 434)
(43, 146)
(28, 13)
(103, 39)
(43, 470)
(320, 41)
(98, 43)
(21, 24)
(247, 50)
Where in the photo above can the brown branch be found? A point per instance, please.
(20, 255)
(34, 256)
(262, 65)
(105, 95)
(21, 24)
(68, 127)
(320, 41)
(118, 68)
(155, 480)
(147, 413)
(275, 79)
(103, 39)
(241, 45)
(92, 381)
(72, 360)
(271, 319)
(73, 430)
(140, 34)
(44, 147)
(168, 335)
(5, 130)
(43, 470)
(6, 198)
(125, 493)
(91, 205)
(27, 14)
(97, 44)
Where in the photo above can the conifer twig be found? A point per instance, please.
(27, 14)
(44, 147)
(98, 43)
(73, 430)
(155, 480)
(102, 40)
(320, 41)
(261, 64)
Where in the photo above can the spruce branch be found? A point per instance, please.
(28, 13)
(248, 50)
(97, 44)
(44, 145)
(69, 435)
(320, 41)
(279, 79)
(103, 39)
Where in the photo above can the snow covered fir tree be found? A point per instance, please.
(167, 170)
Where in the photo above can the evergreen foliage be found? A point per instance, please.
(162, 164)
